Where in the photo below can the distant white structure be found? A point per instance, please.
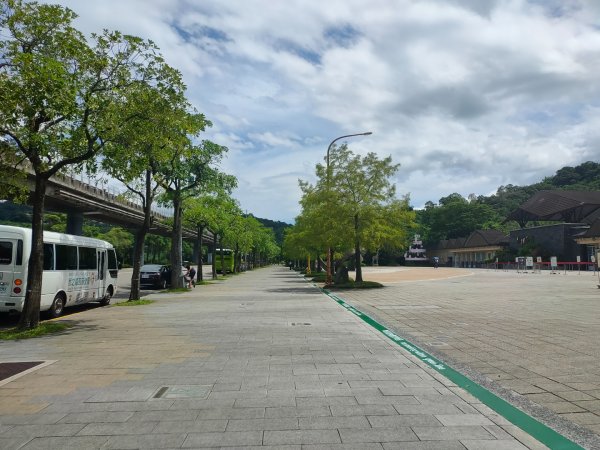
(416, 252)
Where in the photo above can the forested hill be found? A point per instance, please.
(277, 227)
(455, 216)
(584, 177)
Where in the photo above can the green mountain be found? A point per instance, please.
(584, 177)
(455, 216)
(277, 226)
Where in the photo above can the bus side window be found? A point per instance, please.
(48, 256)
(87, 258)
(19, 260)
(66, 257)
(113, 268)
(101, 264)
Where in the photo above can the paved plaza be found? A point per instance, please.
(532, 337)
(264, 359)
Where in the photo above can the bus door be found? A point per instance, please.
(11, 257)
(100, 278)
(101, 275)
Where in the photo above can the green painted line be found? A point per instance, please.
(531, 426)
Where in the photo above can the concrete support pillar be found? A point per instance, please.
(75, 223)
(196, 251)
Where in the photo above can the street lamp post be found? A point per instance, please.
(328, 176)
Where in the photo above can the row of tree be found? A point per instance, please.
(104, 102)
(352, 208)
(242, 233)
(158, 248)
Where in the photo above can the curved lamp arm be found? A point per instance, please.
(342, 137)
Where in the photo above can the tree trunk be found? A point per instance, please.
(214, 256)
(140, 238)
(357, 261)
(199, 275)
(30, 315)
(176, 244)
(138, 251)
(236, 260)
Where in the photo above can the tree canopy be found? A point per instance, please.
(352, 208)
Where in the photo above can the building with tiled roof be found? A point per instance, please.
(574, 235)
(563, 206)
(475, 250)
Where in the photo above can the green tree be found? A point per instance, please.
(197, 213)
(121, 239)
(306, 237)
(455, 217)
(264, 247)
(249, 238)
(224, 210)
(59, 98)
(355, 204)
(240, 236)
(157, 249)
(190, 172)
(364, 194)
(134, 155)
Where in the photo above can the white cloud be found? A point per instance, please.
(467, 95)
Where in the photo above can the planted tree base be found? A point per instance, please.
(137, 302)
(354, 285)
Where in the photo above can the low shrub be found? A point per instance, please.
(354, 285)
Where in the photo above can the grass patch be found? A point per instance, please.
(318, 277)
(354, 285)
(134, 302)
(42, 329)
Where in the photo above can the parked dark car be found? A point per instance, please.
(155, 276)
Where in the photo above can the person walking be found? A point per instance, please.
(191, 275)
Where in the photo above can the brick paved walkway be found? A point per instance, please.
(260, 360)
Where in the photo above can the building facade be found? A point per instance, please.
(476, 250)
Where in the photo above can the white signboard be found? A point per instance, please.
(579, 259)
(553, 262)
(529, 261)
(593, 258)
(539, 259)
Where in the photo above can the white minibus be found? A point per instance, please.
(77, 270)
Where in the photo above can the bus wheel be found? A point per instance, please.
(106, 299)
(57, 306)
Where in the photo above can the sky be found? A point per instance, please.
(466, 95)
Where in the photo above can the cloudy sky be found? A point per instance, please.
(466, 95)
